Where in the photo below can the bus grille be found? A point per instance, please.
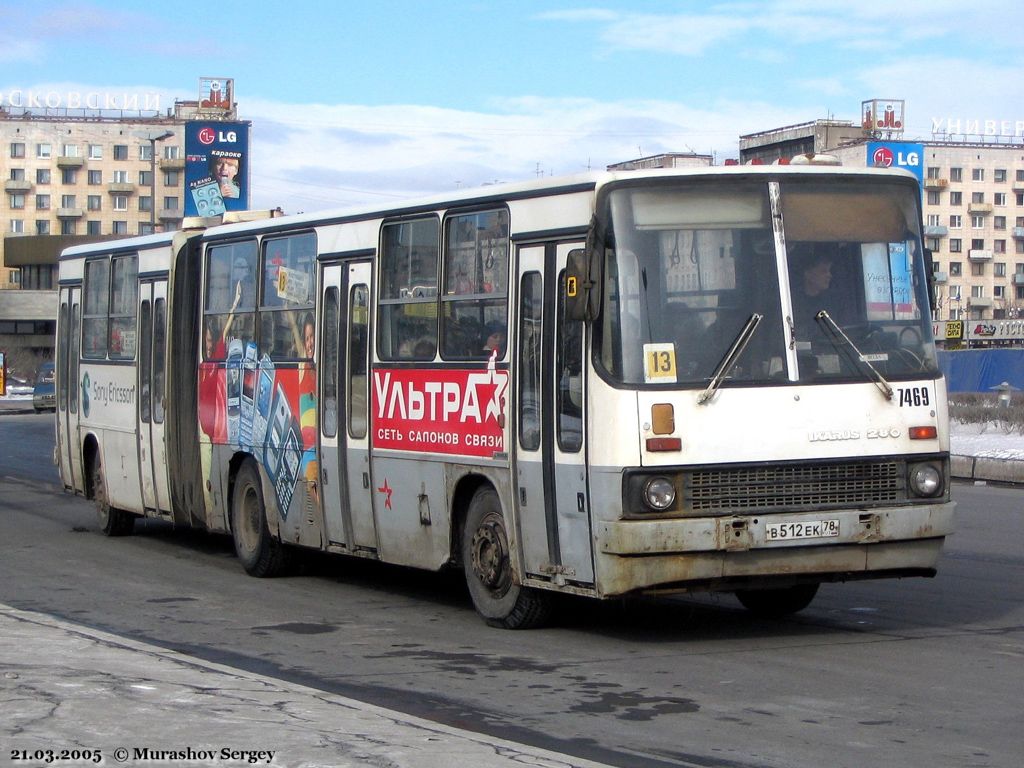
(795, 486)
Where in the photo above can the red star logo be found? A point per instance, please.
(387, 491)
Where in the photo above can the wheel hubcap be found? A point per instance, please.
(490, 555)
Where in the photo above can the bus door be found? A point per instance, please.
(344, 441)
(151, 387)
(551, 475)
(69, 447)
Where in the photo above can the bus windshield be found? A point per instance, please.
(838, 293)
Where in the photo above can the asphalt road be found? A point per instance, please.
(917, 672)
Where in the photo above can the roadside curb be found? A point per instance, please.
(987, 468)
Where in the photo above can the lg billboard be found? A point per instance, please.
(216, 167)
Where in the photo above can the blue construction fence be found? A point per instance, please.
(982, 370)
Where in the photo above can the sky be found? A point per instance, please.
(373, 102)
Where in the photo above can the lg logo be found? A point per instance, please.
(208, 135)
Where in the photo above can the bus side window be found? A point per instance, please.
(569, 364)
(531, 302)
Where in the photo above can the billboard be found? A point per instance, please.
(216, 167)
(897, 154)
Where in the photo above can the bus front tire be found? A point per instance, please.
(776, 603)
(113, 521)
(260, 553)
(487, 563)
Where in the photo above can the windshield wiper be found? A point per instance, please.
(731, 357)
(843, 343)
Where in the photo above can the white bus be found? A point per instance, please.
(702, 379)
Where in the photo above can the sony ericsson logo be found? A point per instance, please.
(85, 395)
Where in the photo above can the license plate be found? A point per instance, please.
(808, 529)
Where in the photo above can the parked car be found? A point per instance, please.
(44, 397)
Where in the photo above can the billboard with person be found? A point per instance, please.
(216, 167)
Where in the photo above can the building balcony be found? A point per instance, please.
(1018, 232)
(1018, 278)
(65, 161)
(940, 277)
(120, 188)
(979, 255)
(171, 214)
(936, 230)
(982, 208)
(980, 302)
(176, 164)
(936, 183)
(16, 186)
(70, 213)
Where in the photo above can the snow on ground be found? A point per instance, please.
(989, 441)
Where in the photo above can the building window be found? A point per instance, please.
(999, 199)
(94, 227)
(42, 175)
(998, 291)
(999, 175)
(956, 174)
(934, 220)
(69, 150)
(68, 227)
(17, 174)
(999, 222)
(955, 268)
(17, 201)
(978, 270)
(42, 226)
(170, 178)
(956, 221)
(67, 201)
(43, 150)
(145, 203)
(933, 172)
(977, 222)
(121, 177)
(42, 202)
(977, 291)
(999, 269)
(145, 152)
(934, 198)
(999, 246)
(934, 245)
(95, 151)
(977, 197)
(955, 245)
(94, 202)
(120, 202)
(145, 228)
(68, 175)
(95, 177)
(956, 198)
(120, 151)
(977, 174)
(170, 203)
(145, 178)
(977, 244)
(17, 227)
(120, 228)
(17, 149)
(172, 151)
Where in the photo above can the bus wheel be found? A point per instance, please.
(261, 554)
(488, 567)
(776, 603)
(113, 521)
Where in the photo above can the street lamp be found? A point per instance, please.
(153, 138)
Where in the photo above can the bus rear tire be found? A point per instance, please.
(776, 603)
(113, 521)
(487, 564)
(260, 553)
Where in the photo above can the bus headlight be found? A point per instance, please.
(925, 480)
(659, 493)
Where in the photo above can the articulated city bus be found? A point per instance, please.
(702, 379)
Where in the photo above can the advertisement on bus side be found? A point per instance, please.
(457, 412)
